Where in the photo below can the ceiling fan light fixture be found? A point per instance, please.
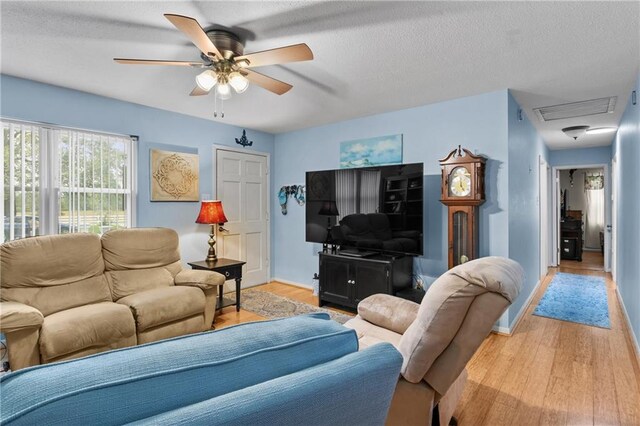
(575, 131)
(223, 91)
(238, 82)
(601, 130)
(206, 80)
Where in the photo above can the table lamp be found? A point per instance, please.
(211, 213)
(329, 208)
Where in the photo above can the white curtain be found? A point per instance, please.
(594, 218)
(346, 188)
(369, 191)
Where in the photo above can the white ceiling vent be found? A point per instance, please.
(576, 109)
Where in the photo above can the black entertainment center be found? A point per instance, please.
(346, 280)
(370, 222)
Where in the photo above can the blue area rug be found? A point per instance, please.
(576, 298)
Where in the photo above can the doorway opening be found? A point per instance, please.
(582, 225)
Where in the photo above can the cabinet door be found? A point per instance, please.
(370, 278)
(334, 281)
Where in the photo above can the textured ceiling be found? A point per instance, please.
(370, 57)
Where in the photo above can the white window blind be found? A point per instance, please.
(58, 180)
(21, 206)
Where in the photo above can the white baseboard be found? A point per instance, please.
(634, 338)
(509, 330)
(293, 283)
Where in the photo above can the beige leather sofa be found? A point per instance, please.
(438, 337)
(67, 296)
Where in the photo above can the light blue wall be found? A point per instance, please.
(626, 148)
(580, 156)
(526, 147)
(28, 100)
(430, 132)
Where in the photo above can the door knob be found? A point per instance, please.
(222, 229)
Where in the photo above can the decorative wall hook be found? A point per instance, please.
(243, 140)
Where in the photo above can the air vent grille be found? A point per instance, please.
(576, 109)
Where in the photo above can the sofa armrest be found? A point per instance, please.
(199, 278)
(390, 312)
(16, 316)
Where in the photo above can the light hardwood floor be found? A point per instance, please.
(591, 260)
(548, 372)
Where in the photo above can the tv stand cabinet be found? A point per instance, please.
(346, 280)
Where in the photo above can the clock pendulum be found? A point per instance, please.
(462, 192)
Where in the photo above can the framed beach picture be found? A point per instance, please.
(369, 152)
(174, 176)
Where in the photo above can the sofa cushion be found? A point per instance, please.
(355, 389)
(50, 300)
(50, 260)
(53, 272)
(139, 248)
(72, 330)
(163, 376)
(162, 305)
(371, 334)
(125, 283)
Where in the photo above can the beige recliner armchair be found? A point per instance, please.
(439, 336)
(67, 296)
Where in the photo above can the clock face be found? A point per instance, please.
(460, 182)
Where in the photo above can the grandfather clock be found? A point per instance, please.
(462, 192)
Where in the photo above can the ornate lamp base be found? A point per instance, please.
(211, 256)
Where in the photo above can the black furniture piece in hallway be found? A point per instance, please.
(571, 239)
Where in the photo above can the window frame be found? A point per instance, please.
(50, 184)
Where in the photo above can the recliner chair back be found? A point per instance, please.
(140, 259)
(456, 314)
(53, 273)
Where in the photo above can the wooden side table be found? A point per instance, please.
(232, 270)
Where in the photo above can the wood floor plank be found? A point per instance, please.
(554, 406)
(548, 372)
(625, 381)
(528, 411)
(605, 403)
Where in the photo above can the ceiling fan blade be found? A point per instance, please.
(192, 29)
(271, 84)
(198, 92)
(280, 55)
(157, 62)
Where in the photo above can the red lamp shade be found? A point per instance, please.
(211, 212)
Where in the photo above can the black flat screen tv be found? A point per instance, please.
(377, 209)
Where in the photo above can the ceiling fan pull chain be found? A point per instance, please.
(215, 105)
(222, 107)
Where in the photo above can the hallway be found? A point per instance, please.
(552, 372)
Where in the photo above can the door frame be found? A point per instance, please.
(614, 213)
(214, 178)
(556, 211)
(543, 202)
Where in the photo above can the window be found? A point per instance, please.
(58, 180)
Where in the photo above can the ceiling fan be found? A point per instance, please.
(225, 63)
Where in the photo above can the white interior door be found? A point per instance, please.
(242, 186)
(614, 209)
(544, 217)
(555, 228)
